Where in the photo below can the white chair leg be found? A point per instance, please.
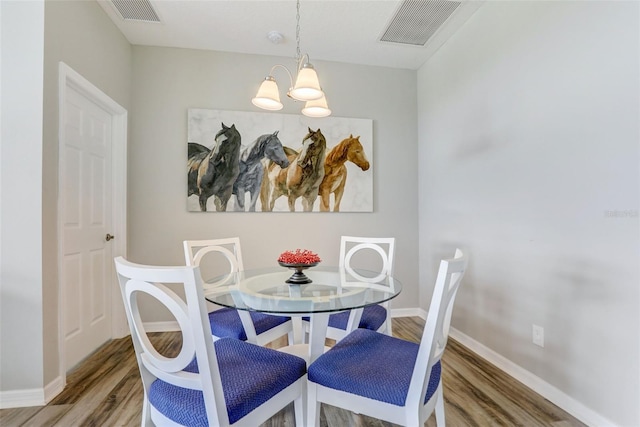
(389, 331)
(146, 413)
(313, 406)
(440, 406)
(296, 336)
(317, 335)
(298, 407)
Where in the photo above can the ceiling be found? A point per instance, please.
(332, 30)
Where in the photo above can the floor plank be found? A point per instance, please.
(105, 390)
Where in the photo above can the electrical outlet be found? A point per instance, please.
(538, 335)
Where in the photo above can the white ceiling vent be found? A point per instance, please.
(136, 10)
(417, 20)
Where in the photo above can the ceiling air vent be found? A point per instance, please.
(136, 10)
(417, 20)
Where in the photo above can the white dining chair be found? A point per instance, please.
(386, 377)
(353, 252)
(223, 383)
(225, 255)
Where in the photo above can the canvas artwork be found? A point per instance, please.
(269, 162)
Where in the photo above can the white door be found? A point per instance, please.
(86, 276)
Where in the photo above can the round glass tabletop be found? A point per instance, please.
(321, 290)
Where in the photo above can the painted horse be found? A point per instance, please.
(300, 179)
(335, 171)
(252, 170)
(213, 172)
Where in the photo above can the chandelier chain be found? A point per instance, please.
(297, 31)
(306, 88)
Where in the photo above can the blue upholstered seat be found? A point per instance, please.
(250, 376)
(226, 323)
(384, 377)
(373, 317)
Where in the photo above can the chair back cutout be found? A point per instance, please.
(382, 246)
(196, 250)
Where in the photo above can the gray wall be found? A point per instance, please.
(529, 144)
(20, 205)
(167, 82)
(81, 35)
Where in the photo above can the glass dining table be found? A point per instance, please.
(315, 292)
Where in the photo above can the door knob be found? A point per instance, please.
(109, 237)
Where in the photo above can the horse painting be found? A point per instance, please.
(300, 179)
(213, 172)
(252, 170)
(335, 171)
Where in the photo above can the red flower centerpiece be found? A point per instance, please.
(298, 260)
(299, 257)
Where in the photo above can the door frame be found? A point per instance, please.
(69, 78)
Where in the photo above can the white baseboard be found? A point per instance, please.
(537, 384)
(162, 326)
(22, 398)
(408, 312)
(53, 389)
(31, 397)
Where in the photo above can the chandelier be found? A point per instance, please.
(306, 88)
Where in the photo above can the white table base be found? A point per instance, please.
(317, 334)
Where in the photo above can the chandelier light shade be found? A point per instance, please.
(317, 108)
(306, 88)
(268, 97)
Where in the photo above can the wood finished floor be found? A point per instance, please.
(106, 390)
